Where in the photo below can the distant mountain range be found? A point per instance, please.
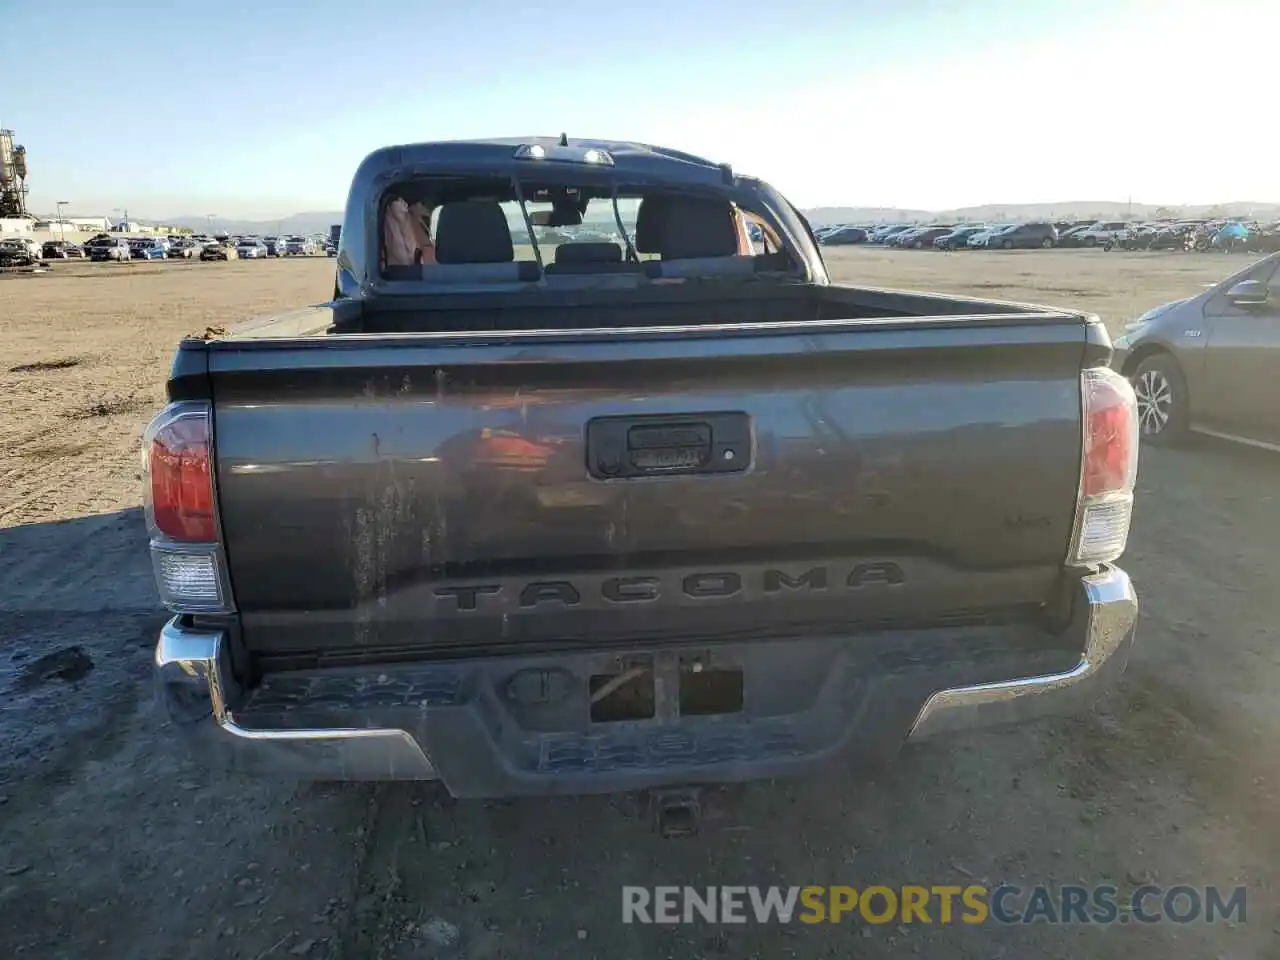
(1067, 210)
(298, 223)
(319, 221)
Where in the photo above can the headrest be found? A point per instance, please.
(473, 231)
(648, 224)
(682, 228)
(602, 252)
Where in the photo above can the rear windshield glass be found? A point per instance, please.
(442, 226)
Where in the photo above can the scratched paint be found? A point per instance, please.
(387, 509)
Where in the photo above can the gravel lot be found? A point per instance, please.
(113, 843)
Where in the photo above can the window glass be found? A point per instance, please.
(494, 223)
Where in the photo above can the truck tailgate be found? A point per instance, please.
(447, 493)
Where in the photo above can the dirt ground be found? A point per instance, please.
(115, 843)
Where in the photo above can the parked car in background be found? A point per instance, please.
(1137, 236)
(1202, 240)
(904, 237)
(19, 252)
(96, 240)
(958, 238)
(893, 238)
(33, 246)
(1071, 236)
(62, 250)
(1265, 239)
(1174, 236)
(110, 248)
(274, 245)
(979, 239)
(148, 249)
(218, 251)
(1208, 363)
(843, 236)
(251, 249)
(1101, 232)
(1232, 236)
(922, 237)
(183, 248)
(1024, 236)
(883, 234)
(299, 247)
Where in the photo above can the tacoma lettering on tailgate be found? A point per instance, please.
(678, 586)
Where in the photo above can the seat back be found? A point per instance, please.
(473, 231)
(686, 228)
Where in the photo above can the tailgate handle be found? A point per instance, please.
(620, 448)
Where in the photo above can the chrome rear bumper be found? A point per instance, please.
(1112, 616)
(198, 688)
(196, 684)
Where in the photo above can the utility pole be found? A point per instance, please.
(211, 216)
(62, 233)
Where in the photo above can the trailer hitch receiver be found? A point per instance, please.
(677, 812)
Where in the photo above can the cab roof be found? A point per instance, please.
(534, 156)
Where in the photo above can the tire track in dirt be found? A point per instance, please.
(378, 919)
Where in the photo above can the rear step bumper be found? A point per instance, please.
(391, 722)
(1112, 616)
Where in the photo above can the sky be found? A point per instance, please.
(252, 109)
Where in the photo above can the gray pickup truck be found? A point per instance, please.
(574, 487)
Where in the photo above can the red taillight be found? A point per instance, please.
(186, 556)
(1110, 435)
(181, 488)
(1108, 468)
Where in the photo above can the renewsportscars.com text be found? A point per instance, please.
(934, 904)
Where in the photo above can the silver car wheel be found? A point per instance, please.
(1155, 401)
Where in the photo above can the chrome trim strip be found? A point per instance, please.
(1112, 616)
(196, 684)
